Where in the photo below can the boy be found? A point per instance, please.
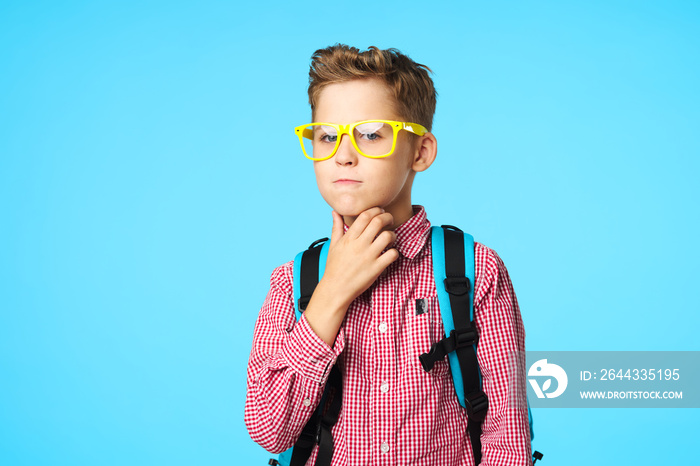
(363, 316)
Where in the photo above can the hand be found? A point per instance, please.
(355, 260)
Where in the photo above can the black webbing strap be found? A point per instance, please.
(317, 430)
(457, 286)
(463, 339)
(333, 403)
(309, 273)
(306, 441)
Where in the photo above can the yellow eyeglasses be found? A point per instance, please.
(372, 138)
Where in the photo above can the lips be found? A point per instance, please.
(346, 181)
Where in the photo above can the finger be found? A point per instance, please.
(376, 225)
(383, 240)
(338, 231)
(387, 258)
(362, 220)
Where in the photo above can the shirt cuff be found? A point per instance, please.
(310, 356)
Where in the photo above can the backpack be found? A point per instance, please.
(453, 269)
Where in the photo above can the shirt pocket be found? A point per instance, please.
(425, 329)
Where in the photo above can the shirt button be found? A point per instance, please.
(384, 447)
(307, 402)
(384, 387)
(382, 327)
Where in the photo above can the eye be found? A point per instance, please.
(326, 134)
(370, 131)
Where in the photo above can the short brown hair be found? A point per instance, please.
(409, 81)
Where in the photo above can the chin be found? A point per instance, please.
(348, 207)
(348, 212)
(354, 205)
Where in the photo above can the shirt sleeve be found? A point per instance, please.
(287, 370)
(505, 437)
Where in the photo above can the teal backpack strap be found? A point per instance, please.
(314, 260)
(309, 266)
(453, 268)
(284, 458)
(460, 346)
(462, 308)
(530, 421)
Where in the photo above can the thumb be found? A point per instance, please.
(338, 230)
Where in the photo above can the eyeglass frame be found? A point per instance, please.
(397, 126)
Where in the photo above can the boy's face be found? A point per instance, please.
(351, 183)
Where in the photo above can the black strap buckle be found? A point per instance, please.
(477, 405)
(465, 337)
(457, 286)
(436, 353)
(536, 455)
(459, 338)
(303, 302)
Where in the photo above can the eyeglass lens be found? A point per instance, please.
(374, 138)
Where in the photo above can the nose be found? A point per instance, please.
(346, 153)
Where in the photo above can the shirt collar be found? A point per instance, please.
(412, 234)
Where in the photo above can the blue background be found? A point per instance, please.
(150, 181)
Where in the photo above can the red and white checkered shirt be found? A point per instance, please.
(394, 413)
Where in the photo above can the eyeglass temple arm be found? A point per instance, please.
(308, 133)
(415, 128)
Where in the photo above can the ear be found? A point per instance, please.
(425, 153)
